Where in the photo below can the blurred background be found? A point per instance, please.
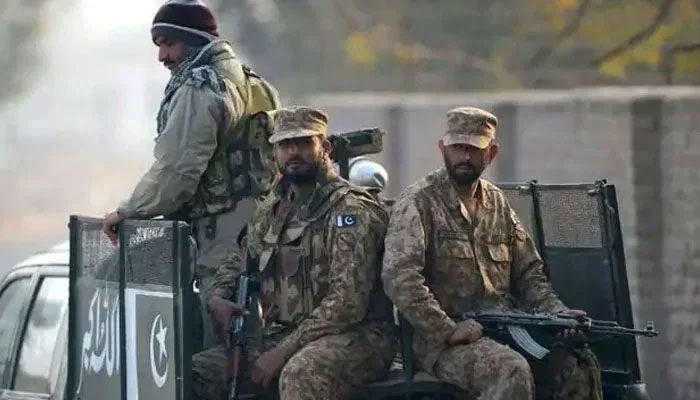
(584, 89)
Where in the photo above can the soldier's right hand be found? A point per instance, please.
(467, 331)
(222, 312)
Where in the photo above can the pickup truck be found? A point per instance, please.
(34, 327)
(576, 228)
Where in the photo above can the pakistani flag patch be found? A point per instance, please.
(346, 221)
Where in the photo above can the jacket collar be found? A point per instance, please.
(326, 192)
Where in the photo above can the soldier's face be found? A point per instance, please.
(300, 158)
(466, 163)
(170, 52)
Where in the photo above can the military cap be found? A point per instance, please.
(296, 122)
(469, 125)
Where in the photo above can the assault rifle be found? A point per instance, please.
(515, 323)
(245, 285)
(347, 145)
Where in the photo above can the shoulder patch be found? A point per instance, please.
(514, 217)
(346, 220)
(518, 228)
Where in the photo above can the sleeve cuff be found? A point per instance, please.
(124, 210)
(288, 346)
(447, 328)
(554, 307)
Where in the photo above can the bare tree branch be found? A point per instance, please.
(661, 15)
(545, 52)
(670, 58)
(461, 58)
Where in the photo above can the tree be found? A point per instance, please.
(458, 45)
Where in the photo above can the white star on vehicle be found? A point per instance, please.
(160, 336)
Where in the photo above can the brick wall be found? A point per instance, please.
(644, 140)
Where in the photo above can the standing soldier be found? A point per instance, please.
(202, 127)
(454, 244)
(317, 244)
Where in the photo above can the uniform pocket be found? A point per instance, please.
(454, 245)
(499, 252)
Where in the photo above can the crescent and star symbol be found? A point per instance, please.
(344, 221)
(158, 377)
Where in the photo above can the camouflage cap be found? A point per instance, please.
(296, 122)
(469, 125)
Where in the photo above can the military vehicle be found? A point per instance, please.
(34, 327)
(105, 322)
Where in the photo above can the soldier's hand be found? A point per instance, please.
(267, 367)
(468, 331)
(222, 311)
(580, 315)
(574, 336)
(109, 225)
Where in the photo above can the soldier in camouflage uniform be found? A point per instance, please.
(317, 242)
(203, 105)
(454, 244)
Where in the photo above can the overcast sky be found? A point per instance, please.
(77, 139)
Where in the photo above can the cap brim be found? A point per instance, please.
(298, 133)
(479, 141)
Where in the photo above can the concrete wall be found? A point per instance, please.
(644, 140)
(680, 241)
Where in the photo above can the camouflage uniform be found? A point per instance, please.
(440, 262)
(318, 263)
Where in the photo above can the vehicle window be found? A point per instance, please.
(40, 336)
(11, 301)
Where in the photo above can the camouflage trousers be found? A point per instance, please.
(487, 369)
(332, 367)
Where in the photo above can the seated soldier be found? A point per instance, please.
(454, 244)
(317, 242)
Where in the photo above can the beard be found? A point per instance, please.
(300, 177)
(463, 176)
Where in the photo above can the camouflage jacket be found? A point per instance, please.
(437, 264)
(320, 271)
(203, 102)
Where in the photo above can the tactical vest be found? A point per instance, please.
(251, 161)
(243, 164)
(294, 261)
(293, 256)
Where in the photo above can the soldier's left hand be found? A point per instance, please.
(267, 367)
(574, 336)
(580, 315)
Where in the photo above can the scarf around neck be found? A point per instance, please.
(195, 66)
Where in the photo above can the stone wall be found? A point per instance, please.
(644, 140)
